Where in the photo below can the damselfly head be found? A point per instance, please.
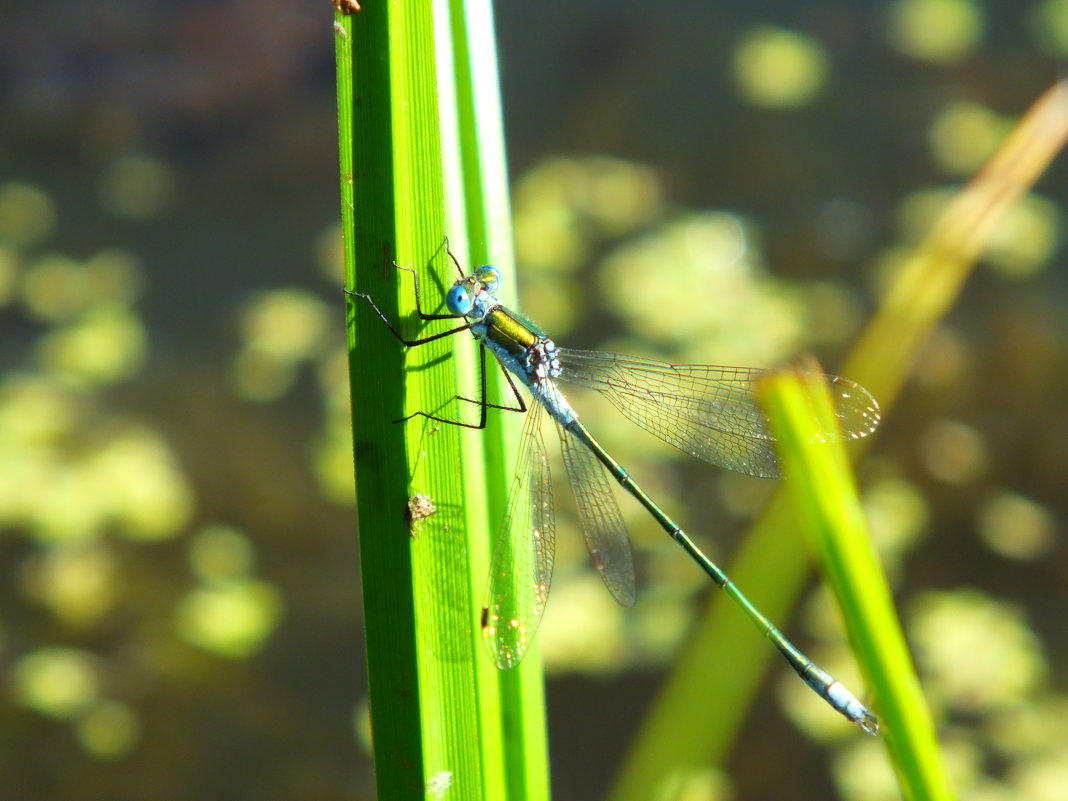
(460, 300)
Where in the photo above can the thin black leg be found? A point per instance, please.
(459, 269)
(411, 343)
(522, 407)
(482, 404)
(419, 296)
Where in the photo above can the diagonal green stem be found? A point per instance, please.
(821, 485)
(694, 722)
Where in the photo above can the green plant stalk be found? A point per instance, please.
(513, 709)
(406, 102)
(389, 610)
(825, 499)
(693, 724)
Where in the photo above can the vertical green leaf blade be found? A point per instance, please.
(514, 704)
(417, 603)
(389, 612)
(513, 710)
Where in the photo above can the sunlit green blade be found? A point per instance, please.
(825, 496)
(602, 523)
(522, 565)
(707, 411)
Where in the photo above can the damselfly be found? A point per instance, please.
(709, 412)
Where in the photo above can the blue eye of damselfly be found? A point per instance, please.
(460, 300)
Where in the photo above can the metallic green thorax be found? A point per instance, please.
(510, 331)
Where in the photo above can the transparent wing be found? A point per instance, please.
(707, 411)
(602, 523)
(522, 565)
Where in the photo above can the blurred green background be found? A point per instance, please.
(714, 182)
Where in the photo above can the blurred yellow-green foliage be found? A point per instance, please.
(695, 182)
